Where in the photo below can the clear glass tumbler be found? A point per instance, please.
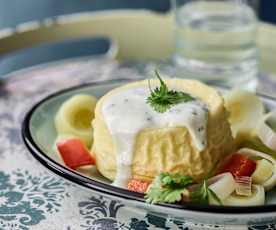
(215, 41)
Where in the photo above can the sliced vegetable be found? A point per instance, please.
(138, 185)
(255, 143)
(266, 130)
(75, 116)
(245, 108)
(222, 185)
(263, 172)
(74, 153)
(257, 198)
(243, 186)
(57, 157)
(63, 137)
(202, 194)
(168, 188)
(239, 165)
(213, 190)
(271, 182)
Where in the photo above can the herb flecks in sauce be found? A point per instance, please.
(161, 98)
(126, 118)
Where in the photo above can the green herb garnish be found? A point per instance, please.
(200, 195)
(161, 98)
(167, 188)
(203, 193)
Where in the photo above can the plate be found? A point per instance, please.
(39, 134)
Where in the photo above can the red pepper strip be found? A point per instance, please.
(74, 153)
(239, 165)
(138, 185)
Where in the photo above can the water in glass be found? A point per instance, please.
(215, 42)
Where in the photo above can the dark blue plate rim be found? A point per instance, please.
(110, 190)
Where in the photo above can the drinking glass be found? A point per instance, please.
(215, 41)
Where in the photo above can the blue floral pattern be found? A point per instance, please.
(263, 227)
(100, 213)
(24, 198)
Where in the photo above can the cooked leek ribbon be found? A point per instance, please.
(257, 198)
(263, 171)
(74, 117)
(222, 185)
(245, 110)
(271, 181)
(266, 130)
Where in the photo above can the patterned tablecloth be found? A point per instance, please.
(31, 197)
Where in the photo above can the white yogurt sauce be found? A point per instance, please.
(127, 113)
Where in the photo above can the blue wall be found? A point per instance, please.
(268, 11)
(13, 12)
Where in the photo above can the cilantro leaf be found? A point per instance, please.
(175, 180)
(167, 188)
(166, 195)
(161, 98)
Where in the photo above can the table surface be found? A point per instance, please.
(32, 197)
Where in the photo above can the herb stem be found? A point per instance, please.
(161, 98)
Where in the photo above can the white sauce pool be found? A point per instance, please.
(127, 113)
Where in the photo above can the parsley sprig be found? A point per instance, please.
(167, 188)
(161, 98)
